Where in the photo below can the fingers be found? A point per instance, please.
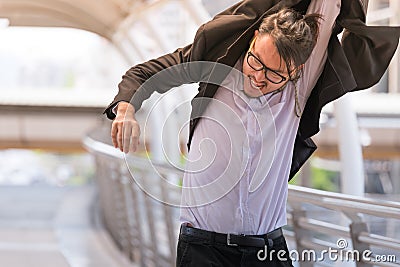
(135, 134)
(114, 134)
(125, 130)
(126, 137)
(125, 134)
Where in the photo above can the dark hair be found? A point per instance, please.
(294, 35)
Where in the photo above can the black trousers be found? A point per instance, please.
(198, 252)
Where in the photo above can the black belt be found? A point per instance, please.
(232, 239)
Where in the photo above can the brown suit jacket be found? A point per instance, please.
(357, 63)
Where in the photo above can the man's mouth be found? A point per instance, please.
(255, 85)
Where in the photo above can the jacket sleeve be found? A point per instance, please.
(158, 75)
(356, 63)
(368, 49)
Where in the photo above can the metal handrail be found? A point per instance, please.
(314, 194)
(125, 207)
(103, 148)
(332, 229)
(379, 240)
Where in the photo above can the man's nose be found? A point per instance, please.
(260, 76)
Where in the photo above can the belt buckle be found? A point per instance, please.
(228, 241)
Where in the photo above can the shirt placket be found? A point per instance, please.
(248, 154)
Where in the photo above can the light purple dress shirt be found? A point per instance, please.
(236, 178)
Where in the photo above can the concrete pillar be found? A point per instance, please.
(350, 152)
(395, 175)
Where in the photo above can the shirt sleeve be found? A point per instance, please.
(329, 9)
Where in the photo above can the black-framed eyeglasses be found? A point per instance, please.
(256, 64)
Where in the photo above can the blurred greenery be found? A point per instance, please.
(321, 179)
(324, 180)
(294, 180)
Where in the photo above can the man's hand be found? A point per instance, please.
(125, 130)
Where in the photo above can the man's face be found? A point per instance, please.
(264, 56)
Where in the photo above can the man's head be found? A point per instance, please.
(280, 47)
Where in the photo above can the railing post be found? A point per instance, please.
(121, 203)
(300, 234)
(136, 236)
(129, 219)
(149, 209)
(168, 215)
(114, 214)
(355, 229)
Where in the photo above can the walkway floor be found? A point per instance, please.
(45, 226)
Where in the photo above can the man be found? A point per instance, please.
(244, 189)
(246, 142)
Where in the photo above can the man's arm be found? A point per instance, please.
(137, 85)
(329, 9)
(131, 88)
(141, 81)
